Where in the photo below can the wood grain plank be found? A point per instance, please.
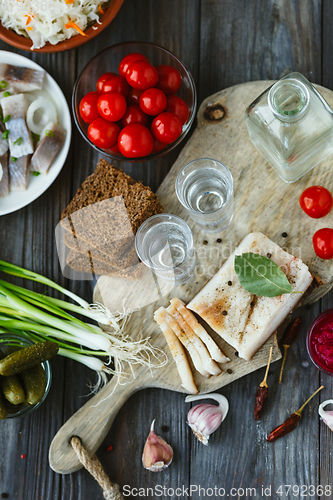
(132, 23)
(251, 41)
(27, 238)
(326, 435)
(135, 23)
(258, 40)
(238, 41)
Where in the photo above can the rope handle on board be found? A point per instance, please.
(111, 491)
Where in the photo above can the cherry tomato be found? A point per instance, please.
(134, 96)
(134, 114)
(135, 141)
(116, 84)
(323, 243)
(141, 75)
(103, 133)
(111, 106)
(158, 146)
(102, 79)
(115, 149)
(166, 127)
(169, 79)
(153, 101)
(88, 107)
(179, 107)
(316, 201)
(127, 60)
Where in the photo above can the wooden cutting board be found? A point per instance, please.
(263, 202)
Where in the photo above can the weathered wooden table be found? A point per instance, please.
(222, 43)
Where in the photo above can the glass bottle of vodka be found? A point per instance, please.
(292, 126)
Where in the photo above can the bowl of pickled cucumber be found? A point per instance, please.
(25, 374)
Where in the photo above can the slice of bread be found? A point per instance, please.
(126, 258)
(86, 264)
(103, 218)
(103, 225)
(98, 186)
(107, 182)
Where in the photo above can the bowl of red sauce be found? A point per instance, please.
(319, 342)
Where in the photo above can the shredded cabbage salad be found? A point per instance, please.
(50, 20)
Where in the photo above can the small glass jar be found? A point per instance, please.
(319, 342)
(8, 342)
(291, 124)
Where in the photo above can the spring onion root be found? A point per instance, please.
(40, 317)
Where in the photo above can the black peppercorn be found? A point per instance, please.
(205, 242)
(224, 313)
(218, 240)
(284, 235)
(229, 371)
(229, 283)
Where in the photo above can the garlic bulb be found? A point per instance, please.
(327, 416)
(157, 454)
(204, 419)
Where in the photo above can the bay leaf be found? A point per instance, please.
(260, 275)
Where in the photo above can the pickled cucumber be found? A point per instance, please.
(27, 357)
(12, 389)
(3, 409)
(34, 383)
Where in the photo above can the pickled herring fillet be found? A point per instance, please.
(20, 78)
(19, 139)
(48, 148)
(242, 319)
(3, 145)
(18, 173)
(178, 353)
(3, 142)
(4, 175)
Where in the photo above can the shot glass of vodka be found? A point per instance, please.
(205, 188)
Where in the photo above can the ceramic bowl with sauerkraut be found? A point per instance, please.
(54, 25)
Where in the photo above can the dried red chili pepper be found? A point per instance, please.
(288, 339)
(262, 391)
(283, 429)
(261, 395)
(291, 422)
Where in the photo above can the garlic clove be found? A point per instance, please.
(205, 418)
(327, 416)
(157, 454)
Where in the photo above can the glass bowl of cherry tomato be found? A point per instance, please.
(134, 101)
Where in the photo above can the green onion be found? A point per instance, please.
(18, 141)
(3, 84)
(6, 94)
(5, 134)
(49, 133)
(13, 158)
(35, 173)
(35, 137)
(5, 120)
(40, 317)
